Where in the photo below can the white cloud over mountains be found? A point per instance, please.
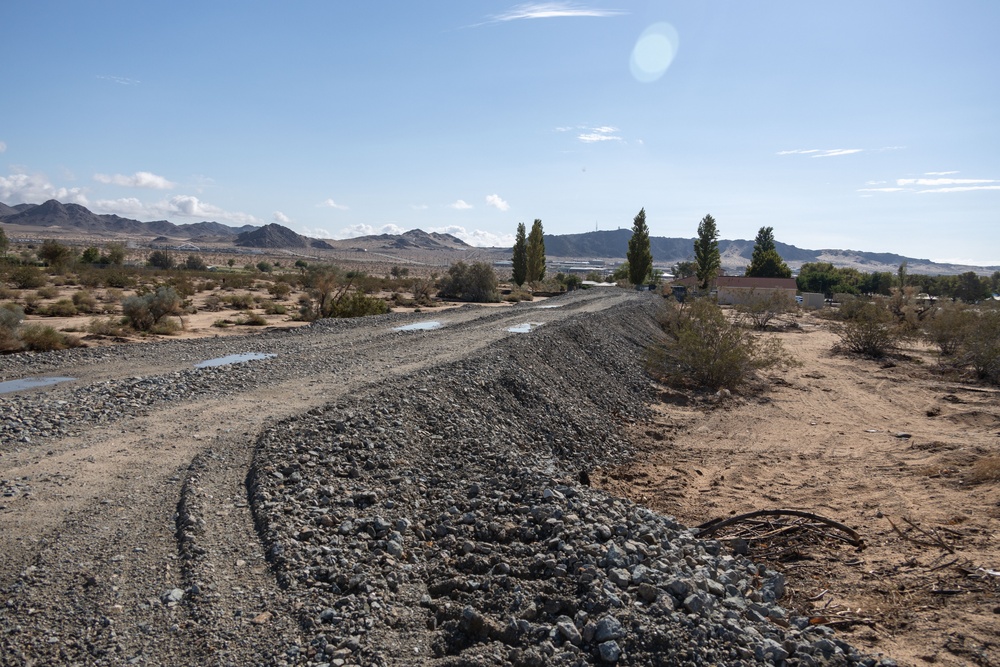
(496, 202)
(21, 188)
(140, 179)
(183, 206)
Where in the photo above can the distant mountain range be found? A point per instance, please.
(600, 245)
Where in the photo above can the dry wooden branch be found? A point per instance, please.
(935, 540)
(712, 527)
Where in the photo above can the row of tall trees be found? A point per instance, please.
(529, 254)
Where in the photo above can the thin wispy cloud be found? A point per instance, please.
(140, 179)
(822, 152)
(460, 205)
(593, 135)
(938, 185)
(120, 80)
(496, 202)
(550, 10)
(419, 207)
(329, 203)
(3, 147)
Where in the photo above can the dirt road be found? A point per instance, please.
(89, 563)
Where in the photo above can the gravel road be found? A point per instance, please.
(368, 496)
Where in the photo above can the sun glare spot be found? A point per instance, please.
(653, 52)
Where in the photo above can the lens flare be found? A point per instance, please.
(653, 52)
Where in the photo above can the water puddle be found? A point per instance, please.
(553, 305)
(420, 326)
(30, 383)
(234, 359)
(524, 328)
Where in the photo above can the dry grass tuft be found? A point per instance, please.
(985, 469)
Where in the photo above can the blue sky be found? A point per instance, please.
(849, 124)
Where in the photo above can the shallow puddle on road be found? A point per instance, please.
(30, 383)
(420, 326)
(234, 359)
(524, 328)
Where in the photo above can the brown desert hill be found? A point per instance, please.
(277, 236)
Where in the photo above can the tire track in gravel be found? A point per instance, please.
(89, 551)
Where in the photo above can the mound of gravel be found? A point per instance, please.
(445, 519)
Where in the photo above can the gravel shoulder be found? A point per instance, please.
(368, 496)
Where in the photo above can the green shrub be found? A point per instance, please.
(11, 316)
(476, 283)
(41, 338)
(28, 277)
(358, 304)
(252, 319)
(85, 301)
(872, 330)
(47, 292)
(274, 308)
(242, 301)
(280, 289)
(948, 326)
(146, 312)
(761, 308)
(981, 345)
(110, 326)
(61, 308)
(703, 346)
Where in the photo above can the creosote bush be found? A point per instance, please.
(475, 282)
(761, 308)
(41, 338)
(147, 312)
(869, 328)
(704, 347)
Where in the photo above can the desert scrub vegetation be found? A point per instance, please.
(16, 336)
(149, 312)
(760, 309)
(470, 282)
(331, 293)
(869, 328)
(703, 347)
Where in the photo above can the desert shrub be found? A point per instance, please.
(207, 286)
(237, 281)
(242, 301)
(8, 293)
(422, 289)
(183, 285)
(28, 277)
(274, 308)
(213, 302)
(470, 282)
(109, 326)
(31, 303)
(265, 267)
(252, 319)
(359, 304)
(871, 330)
(47, 292)
(280, 289)
(60, 308)
(760, 309)
(11, 316)
(117, 278)
(703, 346)
(41, 338)
(84, 301)
(55, 254)
(146, 312)
(947, 327)
(981, 345)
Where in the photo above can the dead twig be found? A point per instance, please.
(935, 540)
(714, 526)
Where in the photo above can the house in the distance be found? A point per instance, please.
(733, 290)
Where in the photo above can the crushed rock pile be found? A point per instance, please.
(445, 519)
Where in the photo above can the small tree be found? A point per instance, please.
(685, 269)
(115, 254)
(520, 256)
(160, 259)
(195, 263)
(760, 309)
(981, 345)
(766, 262)
(706, 251)
(476, 282)
(4, 242)
(536, 253)
(91, 255)
(640, 258)
(55, 254)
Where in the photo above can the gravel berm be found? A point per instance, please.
(368, 496)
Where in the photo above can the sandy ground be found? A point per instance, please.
(866, 443)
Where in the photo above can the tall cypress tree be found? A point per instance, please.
(536, 253)
(706, 251)
(640, 257)
(766, 262)
(520, 258)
